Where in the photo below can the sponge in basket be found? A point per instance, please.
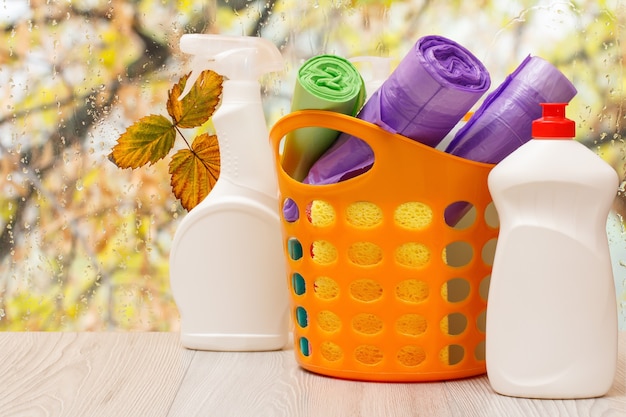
(363, 214)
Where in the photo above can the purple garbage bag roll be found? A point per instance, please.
(429, 92)
(504, 120)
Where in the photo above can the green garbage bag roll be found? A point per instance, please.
(324, 82)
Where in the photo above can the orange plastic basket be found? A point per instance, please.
(382, 287)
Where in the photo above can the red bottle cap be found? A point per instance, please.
(553, 124)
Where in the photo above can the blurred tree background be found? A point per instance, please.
(85, 245)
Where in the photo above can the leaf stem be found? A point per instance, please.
(204, 163)
(183, 136)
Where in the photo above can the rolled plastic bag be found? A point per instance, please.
(324, 82)
(427, 94)
(503, 122)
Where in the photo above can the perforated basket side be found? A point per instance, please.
(381, 301)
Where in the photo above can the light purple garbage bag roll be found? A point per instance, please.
(504, 120)
(429, 92)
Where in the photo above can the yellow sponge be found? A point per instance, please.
(412, 291)
(325, 288)
(368, 354)
(411, 355)
(365, 253)
(444, 325)
(367, 323)
(331, 351)
(321, 213)
(413, 255)
(444, 355)
(366, 290)
(411, 324)
(328, 321)
(413, 215)
(323, 252)
(364, 214)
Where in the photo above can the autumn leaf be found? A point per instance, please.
(194, 171)
(198, 106)
(146, 141)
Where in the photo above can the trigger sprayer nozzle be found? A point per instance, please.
(234, 57)
(238, 63)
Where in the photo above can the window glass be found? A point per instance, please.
(84, 245)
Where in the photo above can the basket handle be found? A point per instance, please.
(373, 135)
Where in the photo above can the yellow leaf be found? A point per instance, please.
(146, 141)
(194, 171)
(197, 106)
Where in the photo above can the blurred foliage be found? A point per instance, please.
(85, 246)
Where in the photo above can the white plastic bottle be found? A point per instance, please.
(551, 314)
(227, 267)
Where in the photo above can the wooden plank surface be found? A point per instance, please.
(271, 384)
(150, 374)
(90, 374)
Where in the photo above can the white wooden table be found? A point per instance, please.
(150, 374)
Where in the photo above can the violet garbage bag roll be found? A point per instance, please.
(504, 120)
(429, 92)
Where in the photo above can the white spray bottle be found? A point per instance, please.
(227, 267)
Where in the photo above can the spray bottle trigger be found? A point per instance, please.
(227, 63)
